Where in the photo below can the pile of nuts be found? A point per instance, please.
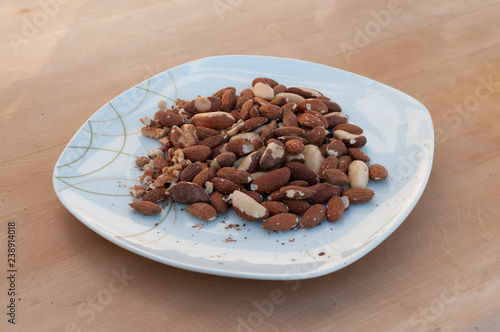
(272, 153)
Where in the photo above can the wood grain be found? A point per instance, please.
(437, 272)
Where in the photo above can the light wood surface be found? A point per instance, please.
(61, 61)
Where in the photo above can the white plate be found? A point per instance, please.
(93, 173)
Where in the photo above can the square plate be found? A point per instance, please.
(93, 173)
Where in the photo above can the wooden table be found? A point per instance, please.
(62, 60)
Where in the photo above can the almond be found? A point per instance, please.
(358, 174)
(204, 133)
(240, 101)
(320, 116)
(357, 154)
(275, 196)
(294, 147)
(190, 171)
(299, 171)
(378, 172)
(324, 192)
(317, 136)
(279, 88)
(197, 152)
(215, 140)
(288, 131)
(281, 222)
(205, 175)
(228, 100)
(156, 195)
(296, 206)
(270, 111)
(255, 195)
(313, 216)
(214, 120)
(245, 109)
(267, 133)
(296, 192)
(218, 202)
(289, 118)
(203, 104)
(350, 128)
(145, 207)
(271, 181)
(235, 175)
(247, 208)
(247, 92)
(359, 195)
(225, 186)
(336, 148)
(285, 139)
(336, 177)
(334, 209)
(275, 207)
(202, 211)
(279, 101)
(187, 193)
(330, 162)
(168, 119)
(254, 123)
(299, 183)
(309, 120)
(344, 162)
(332, 106)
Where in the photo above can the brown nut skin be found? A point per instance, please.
(187, 193)
(197, 152)
(297, 206)
(359, 195)
(334, 209)
(378, 172)
(297, 192)
(274, 155)
(202, 210)
(275, 207)
(203, 104)
(281, 222)
(271, 181)
(324, 192)
(146, 208)
(218, 202)
(313, 216)
(299, 171)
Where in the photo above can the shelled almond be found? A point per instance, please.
(272, 153)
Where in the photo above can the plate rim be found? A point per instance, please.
(251, 275)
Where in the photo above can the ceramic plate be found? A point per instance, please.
(95, 170)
